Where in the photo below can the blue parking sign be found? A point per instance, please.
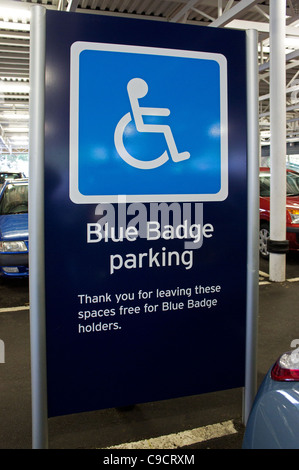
(147, 124)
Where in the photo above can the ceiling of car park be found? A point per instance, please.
(240, 14)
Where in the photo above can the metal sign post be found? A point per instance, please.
(36, 229)
(253, 224)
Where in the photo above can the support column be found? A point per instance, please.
(219, 8)
(277, 242)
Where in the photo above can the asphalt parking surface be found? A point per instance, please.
(278, 326)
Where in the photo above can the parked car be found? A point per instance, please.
(14, 228)
(292, 210)
(273, 422)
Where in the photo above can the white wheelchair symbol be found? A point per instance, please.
(138, 88)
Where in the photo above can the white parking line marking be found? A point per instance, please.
(14, 309)
(262, 281)
(181, 439)
(262, 277)
(263, 274)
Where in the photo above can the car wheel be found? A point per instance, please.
(264, 235)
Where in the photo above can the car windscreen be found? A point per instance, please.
(11, 176)
(14, 199)
(292, 184)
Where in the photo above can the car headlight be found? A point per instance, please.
(12, 247)
(294, 213)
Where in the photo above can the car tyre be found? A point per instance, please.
(264, 235)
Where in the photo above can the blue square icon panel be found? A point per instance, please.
(147, 124)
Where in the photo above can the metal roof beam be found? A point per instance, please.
(72, 5)
(233, 12)
(291, 56)
(260, 27)
(290, 89)
(14, 42)
(183, 10)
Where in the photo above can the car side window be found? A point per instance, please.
(14, 200)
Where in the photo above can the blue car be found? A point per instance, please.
(273, 422)
(14, 229)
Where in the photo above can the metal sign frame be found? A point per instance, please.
(36, 228)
